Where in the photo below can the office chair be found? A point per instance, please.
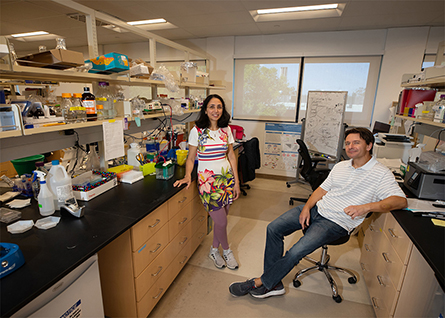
(309, 171)
(323, 266)
(249, 160)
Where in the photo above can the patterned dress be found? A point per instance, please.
(215, 176)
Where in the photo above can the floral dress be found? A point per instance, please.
(215, 176)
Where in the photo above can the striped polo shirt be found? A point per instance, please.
(347, 186)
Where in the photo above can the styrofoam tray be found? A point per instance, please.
(20, 226)
(47, 223)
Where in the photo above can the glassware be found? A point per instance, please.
(81, 112)
(60, 44)
(69, 113)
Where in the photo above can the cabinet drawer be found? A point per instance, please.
(148, 226)
(378, 220)
(394, 266)
(398, 238)
(181, 199)
(197, 205)
(180, 220)
(151, 274)
(199, 219)
(152, 248)
(198, 236)
(181, 259)
(180, 240)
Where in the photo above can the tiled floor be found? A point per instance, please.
(201, 290)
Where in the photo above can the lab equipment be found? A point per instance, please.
(132, 153)
(11, 258)
(424, 183)
(164, 170)
(392, 146)
(45, 197)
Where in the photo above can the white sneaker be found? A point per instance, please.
(230, 259)
(216, 257)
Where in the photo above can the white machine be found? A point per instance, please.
(392, 146)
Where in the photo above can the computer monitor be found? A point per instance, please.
(381, 127)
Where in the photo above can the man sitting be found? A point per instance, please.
(352, 189)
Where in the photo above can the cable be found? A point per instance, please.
(438, 139)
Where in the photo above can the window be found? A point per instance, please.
(356, 75)
(269, 89)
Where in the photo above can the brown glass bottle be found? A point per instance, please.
(89, 102)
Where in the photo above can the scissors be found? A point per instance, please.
(140, 158)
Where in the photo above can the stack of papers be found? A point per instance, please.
(423, 206)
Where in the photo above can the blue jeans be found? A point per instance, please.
(320, 232)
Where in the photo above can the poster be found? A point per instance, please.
(280, 146)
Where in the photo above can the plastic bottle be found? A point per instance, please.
(45, 197)
(89, 102)
(60, 184)
(36, 182)
(132, 153)
(105, 98)
(68, 110)
(100, 112)
(81, 112)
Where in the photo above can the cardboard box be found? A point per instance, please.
(56, 59)
(109, 63)
(141, 70)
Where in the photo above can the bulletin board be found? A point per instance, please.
(323, 129)
(280, 146)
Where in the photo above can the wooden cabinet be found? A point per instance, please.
(400, 282)
(138, 267)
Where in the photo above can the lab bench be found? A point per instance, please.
(52, 254)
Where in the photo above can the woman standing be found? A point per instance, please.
(218, 181)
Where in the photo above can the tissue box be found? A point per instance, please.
(109, 63)
(142, 70)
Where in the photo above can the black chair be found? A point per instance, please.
(249, 160)
(323, 266)
(309, 171)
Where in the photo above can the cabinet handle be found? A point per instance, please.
(185, 259)
(202, 236)
(374, 303)
(371, 228)
(367, 248)
(385, 257)
(391, 232)
(201, 218)
(379, 278)
(158, 246)
(157, 273)
(362, 266)
(183, 221)
(183, 200)
(157, 296)
(156, 223)
(185, 240)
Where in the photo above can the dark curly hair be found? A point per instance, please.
(204, 122)
(364, 133)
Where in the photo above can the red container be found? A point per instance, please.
(237, 132)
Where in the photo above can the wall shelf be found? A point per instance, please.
(435, 82)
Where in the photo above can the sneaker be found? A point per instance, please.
(216, 257)
(230, 259)
(263, 292)
(242, 288)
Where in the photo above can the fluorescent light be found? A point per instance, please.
(153, 21)
(299, 9)
(21, 35)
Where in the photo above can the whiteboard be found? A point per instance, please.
(324, 122)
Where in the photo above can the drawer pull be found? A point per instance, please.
(183, 221)
(158, 246)
(185, 259)
(183, 200)
(362, 266)
(391, 232)
(185, 240)
(371, 228)
(201, 218)
(158, 295)
(379, 278)
(374, 303)
(156, 223)
(367, 248)
(201, 236)
(157, 273)
(385, 257)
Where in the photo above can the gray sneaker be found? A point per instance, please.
(216, 258)
(242, 288)
(263, 292)
(230, 259)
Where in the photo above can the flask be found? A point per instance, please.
(60, 184)
(132, 153)
(89, 102)
(81, 112)
(68, 110)
(45, 197)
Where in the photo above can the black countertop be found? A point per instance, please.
(51, 254)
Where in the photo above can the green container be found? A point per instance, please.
(26, 165)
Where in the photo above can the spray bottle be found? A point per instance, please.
(45, 197)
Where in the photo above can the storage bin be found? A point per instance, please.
(164, 172)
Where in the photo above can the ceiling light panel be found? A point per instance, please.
(21, 35)
(142, 22)
(299, 9)
(298, 13)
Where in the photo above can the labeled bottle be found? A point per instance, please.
(69, 113)
(105, 98)
(45, 198)
(81, 112)
(60, 184)
(89, 102)
(100, 112)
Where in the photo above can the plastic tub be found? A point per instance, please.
(27, 164)
(164, 172)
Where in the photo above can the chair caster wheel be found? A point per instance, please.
(244, 193)
(288, 185)
(291, 202)
(352, 280)
(337, 299)
(297, 284)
